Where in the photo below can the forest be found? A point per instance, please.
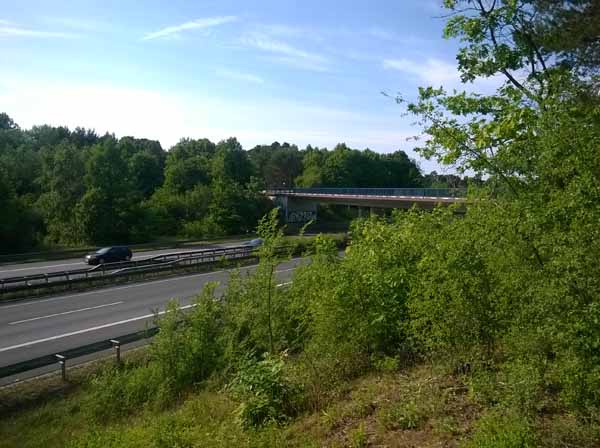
(62, 187)
(435, 328)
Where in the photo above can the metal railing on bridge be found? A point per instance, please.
(388, 192)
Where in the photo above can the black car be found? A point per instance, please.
(109, 255)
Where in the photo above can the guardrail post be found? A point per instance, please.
(62, 361)
(117, 345)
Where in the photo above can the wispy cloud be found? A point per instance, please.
(239, 76)
(431, 71)
(8, 29)
(286, 53)
(77, 23)
(207, 22)
(286, 31)
(392, 36)
(381, 33)
(438, 73)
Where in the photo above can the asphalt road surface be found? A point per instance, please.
(33, 328)
(41, 267)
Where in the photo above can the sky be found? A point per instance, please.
(303, 72)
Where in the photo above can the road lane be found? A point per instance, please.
(41, 267)
(79, 310)
(131, 309)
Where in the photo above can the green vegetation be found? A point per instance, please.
(436, 328)
(61, 187)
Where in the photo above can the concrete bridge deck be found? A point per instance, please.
(300, 204)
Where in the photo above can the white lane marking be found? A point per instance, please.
(99, 327)
(119, 288)
(86, 330)
(40, 267)
(65, 312)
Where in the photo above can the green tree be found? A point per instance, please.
(63, 169)
(188, 164)
(7, 123)
(515, 277)
(19, 226)
(109, 209)
(230, 163)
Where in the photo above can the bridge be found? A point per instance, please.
(300, 204)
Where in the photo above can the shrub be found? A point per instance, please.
(265, 394)
(385, 364)
(203, 228)
(188, 347)
(502, 430)
(404, 415)
(358, 437)
(117, 392)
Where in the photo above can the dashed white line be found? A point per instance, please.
(65, 312)
(40, 267)
(119, 288)
(86, 330)
(112, 324)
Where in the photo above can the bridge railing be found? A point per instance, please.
(400, 192)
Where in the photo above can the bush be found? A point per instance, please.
(188, 347)
(203, 228)
(117, 392)
(502, 430)
(323, 372)
(404, 415)
(266, 395)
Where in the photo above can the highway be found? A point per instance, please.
(41, 267)
(37, 327)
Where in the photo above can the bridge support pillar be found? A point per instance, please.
(297, 210)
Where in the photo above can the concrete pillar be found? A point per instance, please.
(301, 210)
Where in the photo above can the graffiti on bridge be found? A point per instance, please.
(301, 216)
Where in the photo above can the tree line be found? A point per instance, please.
(71, 187)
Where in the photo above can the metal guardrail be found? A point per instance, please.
(81, 251)
(173, 261)
(400, 192)
(62, 357)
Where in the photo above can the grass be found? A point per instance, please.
(415, 407)
(364, 413)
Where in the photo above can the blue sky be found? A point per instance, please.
(263, 71)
